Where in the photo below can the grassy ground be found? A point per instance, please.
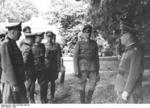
(104, 92)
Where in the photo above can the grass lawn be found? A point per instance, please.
(104, 92)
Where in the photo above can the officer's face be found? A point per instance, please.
(16, 33)
(32, 40)
(86, 35)
(28, 30)
(38, 39)
(49, 38)
(124, 39)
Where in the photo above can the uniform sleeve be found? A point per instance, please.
(44, 51)
(75, 58)
(7, 65)
(26, 54)
(97, 57)
(59, 55)
(135, 71)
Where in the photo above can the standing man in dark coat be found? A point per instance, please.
(52, 60)
(129, 79)
(26, 49)
(86, 64)
(38, 51)
(13, 75)
(2, 37)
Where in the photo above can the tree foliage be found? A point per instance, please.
(105, 16)
(16, 10)
(69, 16)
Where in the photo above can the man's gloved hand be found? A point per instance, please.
(15, 89)
(125, 95)
(79, 75)
(15, 94)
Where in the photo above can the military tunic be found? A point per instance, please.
(12, 72)
(86, 64)
(53, 58)
(29, 69)
(38, 51)
(130, 74)
(86, 57)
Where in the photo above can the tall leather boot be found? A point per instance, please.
(89, 96)
(82, 96)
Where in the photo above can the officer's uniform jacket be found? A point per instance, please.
(38, 51)
(131, 69)
(12, 63)
(53, 60)
(86, 56)
(28, 58)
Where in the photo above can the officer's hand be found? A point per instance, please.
(119, 57)
(125, 95)
(15, 89)
(79, 75)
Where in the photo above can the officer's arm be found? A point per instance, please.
(75, 58)
(7, 64)
(135, 70)
(26, 54)
(97, 58)
(59, 55)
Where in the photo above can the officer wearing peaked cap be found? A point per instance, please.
(53, 61)
(26, 49)
(13, 75)
(129, 79)
(12, 26)
(86, 64)
(38, 51)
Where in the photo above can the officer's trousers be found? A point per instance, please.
(42, 81)
(30, 87)
(9, 96)
(87, 83)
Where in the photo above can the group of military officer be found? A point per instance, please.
(32, 60)
(35, 60)
(128, 84)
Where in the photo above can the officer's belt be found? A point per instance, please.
(122, 72)
(87, 57)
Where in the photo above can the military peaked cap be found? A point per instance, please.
(11, 26)
(50, 33)
(41, 34)
(25, 28)
(30, 35)
(87, 27)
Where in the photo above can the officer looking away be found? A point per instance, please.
(30, 76)
(38, 51)
(129, 79)
(13, 75)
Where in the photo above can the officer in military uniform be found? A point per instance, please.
(26, 30)
(38, 51)
(13, 75)
(86, 64)
(53, 60)
(2, 37)
(26, 49)
(129, 78)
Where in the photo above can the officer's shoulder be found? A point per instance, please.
(5, 43)
(135, 51)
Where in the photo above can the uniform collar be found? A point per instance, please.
(130, 46)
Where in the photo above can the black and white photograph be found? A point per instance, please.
(74, 52)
